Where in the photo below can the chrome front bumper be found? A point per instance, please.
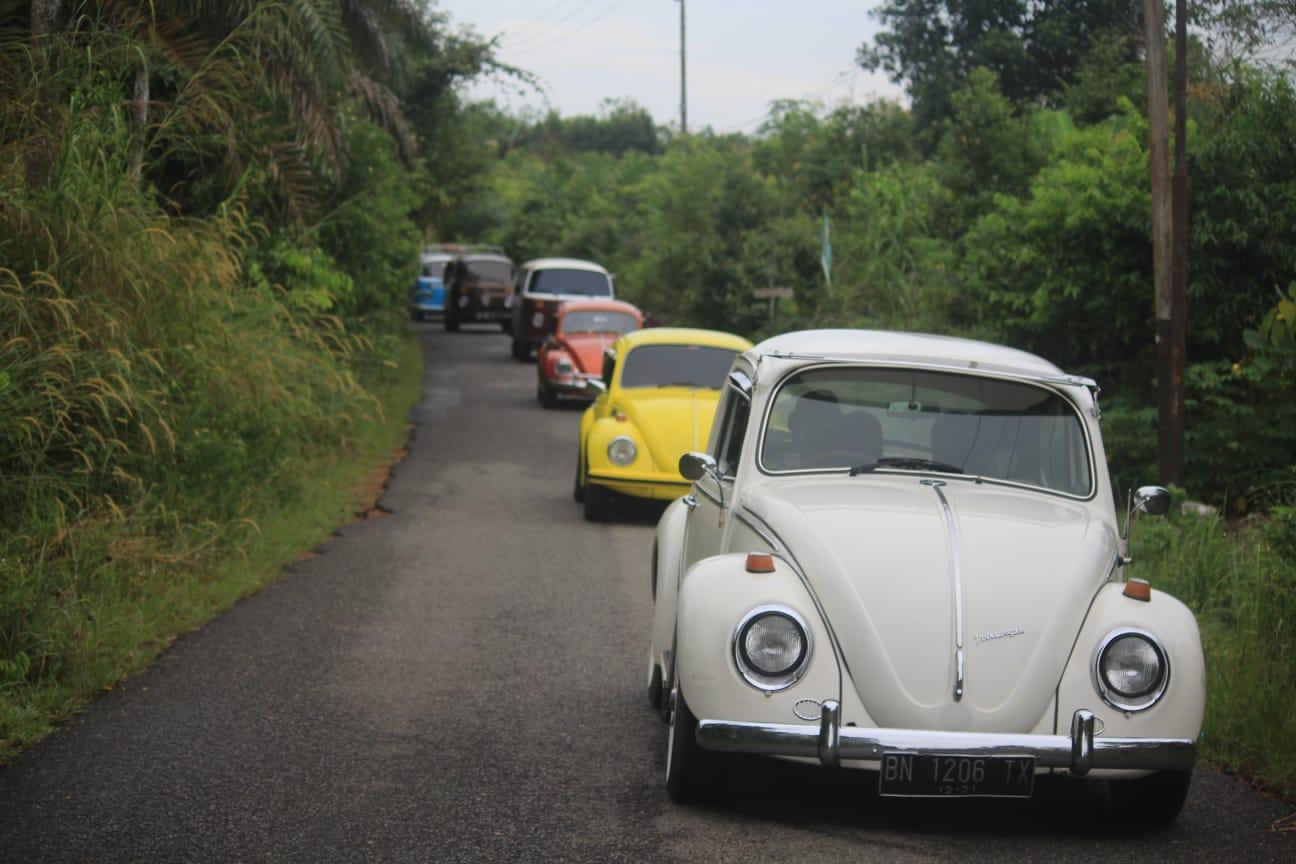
(1078, 753)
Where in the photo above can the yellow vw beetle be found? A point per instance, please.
(658, 395)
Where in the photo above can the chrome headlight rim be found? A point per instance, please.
(622, 442)
(1116, 699)
(757, 678)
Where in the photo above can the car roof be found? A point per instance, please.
(603, 304)
(564, 264)
(892, 347)
(485, 256)
(683, 336)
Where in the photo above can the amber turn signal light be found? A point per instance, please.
(1138, 589)
(760, 562)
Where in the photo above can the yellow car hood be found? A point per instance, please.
(671, 421)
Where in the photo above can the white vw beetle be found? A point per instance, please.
(901, 553)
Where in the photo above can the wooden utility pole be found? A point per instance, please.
(683, 77)
(1159, 170)
(1172, 458)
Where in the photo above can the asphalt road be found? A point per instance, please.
(463, 680)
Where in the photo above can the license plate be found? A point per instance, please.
(916, 775)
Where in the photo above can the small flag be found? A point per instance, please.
(825, 259)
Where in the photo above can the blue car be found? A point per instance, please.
(427, 298)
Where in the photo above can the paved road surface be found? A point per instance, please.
(462, 680)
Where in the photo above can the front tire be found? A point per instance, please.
(521, 351)
(690, 770)
(1152, 800)
(547, 397)
(655, 693)
(596, 502)
(578, 489)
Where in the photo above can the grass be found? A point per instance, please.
(137, 589)
(1240, 582)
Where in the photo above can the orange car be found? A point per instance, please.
(573, 353)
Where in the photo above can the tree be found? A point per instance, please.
(1035, 48)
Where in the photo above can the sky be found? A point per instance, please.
(741, 55)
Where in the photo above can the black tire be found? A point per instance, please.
(655, 688)
(521, 351)
(416, 315)
(652, 572)
(596, 502)
(506, 326)
(578, 488)
(1152, 800)
(547, 397)
(690, 770)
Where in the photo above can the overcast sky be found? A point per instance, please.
(742, 55)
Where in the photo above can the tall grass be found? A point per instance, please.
(161, 407)
(1240, 580)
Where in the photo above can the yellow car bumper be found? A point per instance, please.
(660, 487)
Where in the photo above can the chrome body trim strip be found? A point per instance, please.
(828, 741)
(956, 573)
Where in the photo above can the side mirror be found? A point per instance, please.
(695, 466)
(1152, 500)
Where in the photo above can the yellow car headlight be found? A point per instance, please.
(622, 450)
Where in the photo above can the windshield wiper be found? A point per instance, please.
(912, 463)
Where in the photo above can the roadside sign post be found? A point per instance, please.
(772, 294)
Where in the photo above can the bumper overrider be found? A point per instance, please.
(1078, 753)
(575, 384)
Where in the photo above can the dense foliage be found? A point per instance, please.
(209, 215)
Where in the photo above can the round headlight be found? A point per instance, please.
(771, 647)
(1132, 670)
(622, 451)
(563, 366)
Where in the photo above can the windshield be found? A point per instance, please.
(677, 366)
(435, 269)
(488, 270)
(586, 283)
(896, 419)
(599, 321)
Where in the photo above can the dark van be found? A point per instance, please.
(479, 289)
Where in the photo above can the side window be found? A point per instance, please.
(733, 426)
(609, 367)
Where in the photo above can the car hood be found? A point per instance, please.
(879, 553)
(586, 349)
(671, 421)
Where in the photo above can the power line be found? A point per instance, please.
(554, 34)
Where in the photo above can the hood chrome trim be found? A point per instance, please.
(956, 573)
(762, 529)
